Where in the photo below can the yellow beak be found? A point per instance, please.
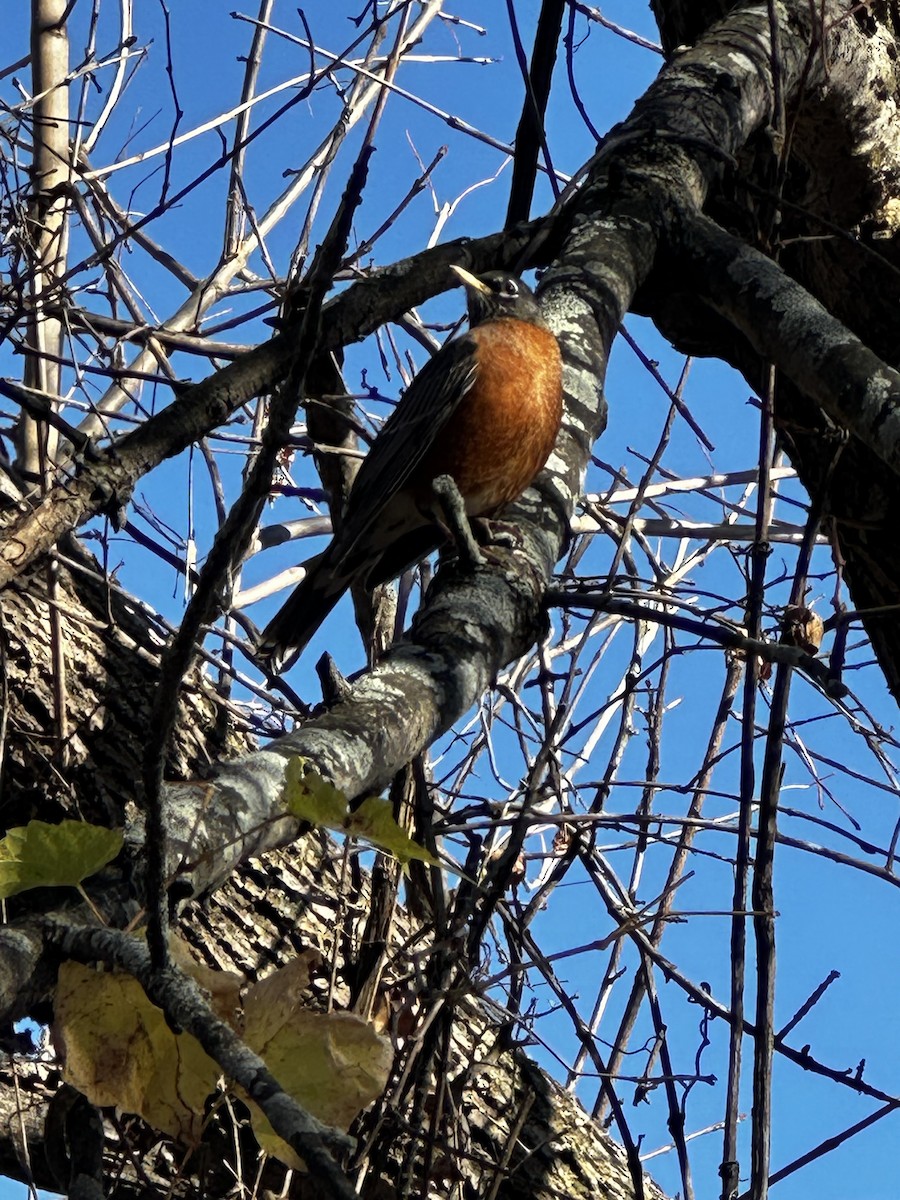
(469, 280)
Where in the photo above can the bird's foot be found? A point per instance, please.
(503, 534)
(453, 510)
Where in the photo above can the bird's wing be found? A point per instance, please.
(408, 434)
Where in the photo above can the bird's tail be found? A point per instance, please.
(286, 635)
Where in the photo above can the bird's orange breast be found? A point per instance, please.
(504, 429)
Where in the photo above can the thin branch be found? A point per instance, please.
(531, 136)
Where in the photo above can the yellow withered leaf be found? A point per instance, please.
(118, 1050)
(334, 1064)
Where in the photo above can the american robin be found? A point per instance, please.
(485, 410)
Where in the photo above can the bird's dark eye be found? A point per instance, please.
(510, 287)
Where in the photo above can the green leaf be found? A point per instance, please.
(310, 797)
(42, 855)
(374, 821)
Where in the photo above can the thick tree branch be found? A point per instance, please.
(789, 327)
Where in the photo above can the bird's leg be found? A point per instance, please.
(453, 511)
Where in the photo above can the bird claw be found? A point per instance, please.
(503, 534)
(453, 510)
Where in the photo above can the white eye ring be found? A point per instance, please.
(511, 288)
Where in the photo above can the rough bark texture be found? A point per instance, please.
(89, 764)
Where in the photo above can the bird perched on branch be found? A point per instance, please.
(485, 410)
